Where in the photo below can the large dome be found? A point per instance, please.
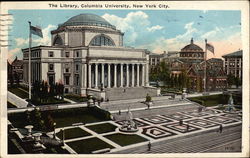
(89, 20)
(192, 47)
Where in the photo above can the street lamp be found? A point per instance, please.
(54, 125)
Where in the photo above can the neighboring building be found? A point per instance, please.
(17, 69)
(233, 63)
(191, 60)
(216, 78)
(191, 54)
(216, 62)
(87, 52)
(155, 59)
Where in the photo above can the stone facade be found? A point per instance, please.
(86, 57)
(233, 63)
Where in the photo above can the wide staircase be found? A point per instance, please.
(156, 111)
(129, 93)
(193, 144)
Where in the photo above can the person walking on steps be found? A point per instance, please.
(220, 129)
(149, 146)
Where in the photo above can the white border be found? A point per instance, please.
(173, 5)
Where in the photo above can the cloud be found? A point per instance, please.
(177, 42)
(135, 25)
(13, 53)
(46, 40)
(24, 43)
(21, 41)
(154, 28)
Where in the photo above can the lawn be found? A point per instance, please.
(102, 128)
(123, 139)
(76, 98)
(86, 146)
(19, 92)
(63, 117)
(73, 133)
(10, 105)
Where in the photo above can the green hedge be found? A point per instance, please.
(212, 100)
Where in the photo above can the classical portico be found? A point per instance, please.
(113, 75)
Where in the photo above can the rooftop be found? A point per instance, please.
(87, 19)
(234, 54)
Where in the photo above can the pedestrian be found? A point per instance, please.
(149, 146)
(180, 122)
(187, 127)
(220, 129)
(119, 112)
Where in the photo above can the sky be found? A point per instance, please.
(155, 30)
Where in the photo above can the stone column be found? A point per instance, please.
(127, 75)
(89, 75)
(133, 75)
(115, 75)
(109, 76)
(147, 83)
(102, 74)
(138, 70)
(85, 76)
(121, 75)
(96, 75)
(142, 79)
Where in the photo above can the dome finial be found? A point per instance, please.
(192, 40)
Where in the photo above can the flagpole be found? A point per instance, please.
(29, 61)
(205, 69)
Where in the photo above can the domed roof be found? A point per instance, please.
(87, 19)
(192, 47)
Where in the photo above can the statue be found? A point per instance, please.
(129, 125)
(230, 107)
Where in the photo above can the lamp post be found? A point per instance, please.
(54, 125)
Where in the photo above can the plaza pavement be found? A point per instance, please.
(166, 138)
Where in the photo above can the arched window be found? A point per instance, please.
(102, 40)
(58, 41)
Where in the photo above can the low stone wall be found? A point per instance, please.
(97, 93)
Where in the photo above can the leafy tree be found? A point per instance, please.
(230, 80)
(237, 81)
(160, 73)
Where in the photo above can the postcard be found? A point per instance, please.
(124, 79)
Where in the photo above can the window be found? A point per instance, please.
(77, 67)
(51, 54)
(66, 80)
(66, 54)
(67, 69)
(51, 67)
(77, 54)
(102, 40)
(77, 80)
(57, 41)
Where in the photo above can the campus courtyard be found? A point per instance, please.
(165, 124)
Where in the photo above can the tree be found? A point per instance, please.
(230, 80)
(237, 81)
(160, 73)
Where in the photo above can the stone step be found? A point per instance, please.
(201, 145)
(193, 144)
(198, 144)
